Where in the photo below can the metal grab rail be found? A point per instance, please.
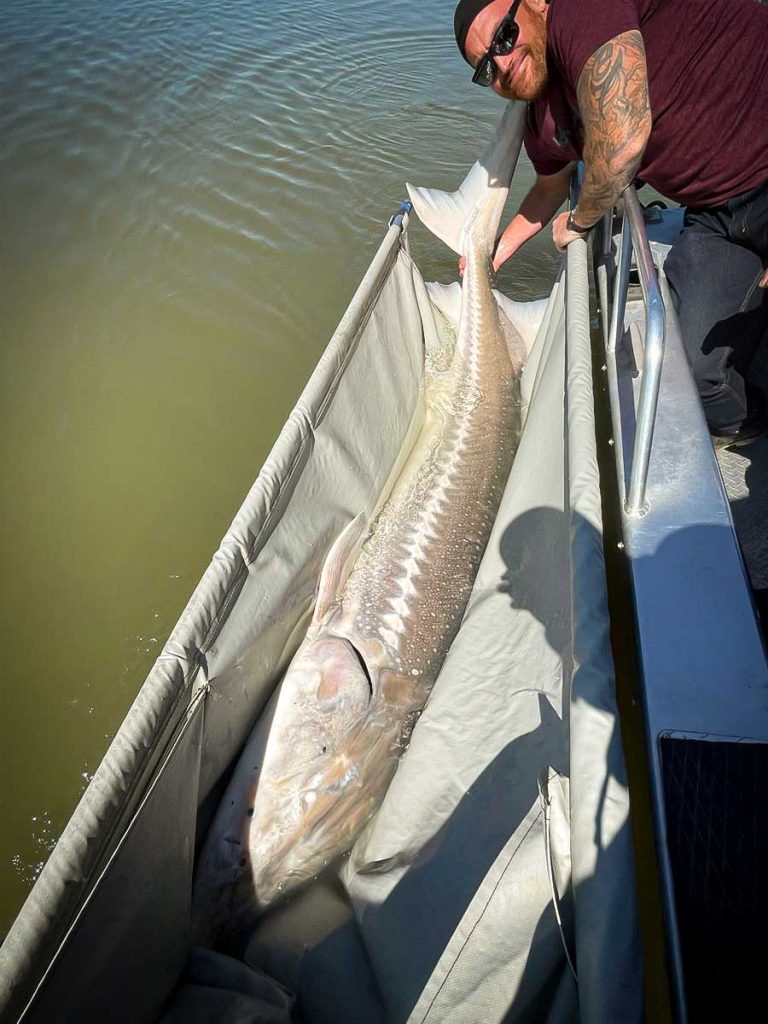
(633, 237)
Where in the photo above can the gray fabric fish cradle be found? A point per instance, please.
(499, 866)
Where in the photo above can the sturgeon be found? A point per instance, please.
(390, 599)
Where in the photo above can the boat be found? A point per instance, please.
(542, 851)
(686, 551)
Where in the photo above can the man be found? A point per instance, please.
(674, 92)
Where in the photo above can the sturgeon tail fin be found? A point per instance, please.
(449, 214)
(446, 213)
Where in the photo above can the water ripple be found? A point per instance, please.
(190, 191)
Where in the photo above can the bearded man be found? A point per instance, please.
(674, 92)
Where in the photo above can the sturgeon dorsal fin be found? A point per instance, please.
(337, 565)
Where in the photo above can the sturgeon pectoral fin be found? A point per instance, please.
(518, 351)
(337, 565)
(519, 320)
(524, 317)
(447, 299)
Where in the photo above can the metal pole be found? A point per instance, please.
(654, 356)
(602, 262)
(620, 288)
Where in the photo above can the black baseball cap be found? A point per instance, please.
(465, 13)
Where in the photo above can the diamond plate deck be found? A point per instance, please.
(745, 475)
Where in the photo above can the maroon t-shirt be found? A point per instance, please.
(708, 86)
(553, 134)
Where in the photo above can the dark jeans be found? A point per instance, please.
(713, 272)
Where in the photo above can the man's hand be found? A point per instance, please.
(561, 235)
(764, 279)
(500, 257)
(537, 209)
(463, 264)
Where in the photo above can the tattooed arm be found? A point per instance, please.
(613, 100)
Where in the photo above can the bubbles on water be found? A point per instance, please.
(27, 871)
(44, 838)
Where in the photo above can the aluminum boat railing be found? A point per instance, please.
(689, 649)
(633, 239)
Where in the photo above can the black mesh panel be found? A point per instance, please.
(716, 801)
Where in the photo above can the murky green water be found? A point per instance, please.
(190, 191)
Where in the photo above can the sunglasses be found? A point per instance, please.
(503, 42)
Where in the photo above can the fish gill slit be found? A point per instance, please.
(361, 661)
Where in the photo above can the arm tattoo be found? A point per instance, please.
(613, 100)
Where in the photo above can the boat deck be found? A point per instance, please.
(744, 470)
(745, 475)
